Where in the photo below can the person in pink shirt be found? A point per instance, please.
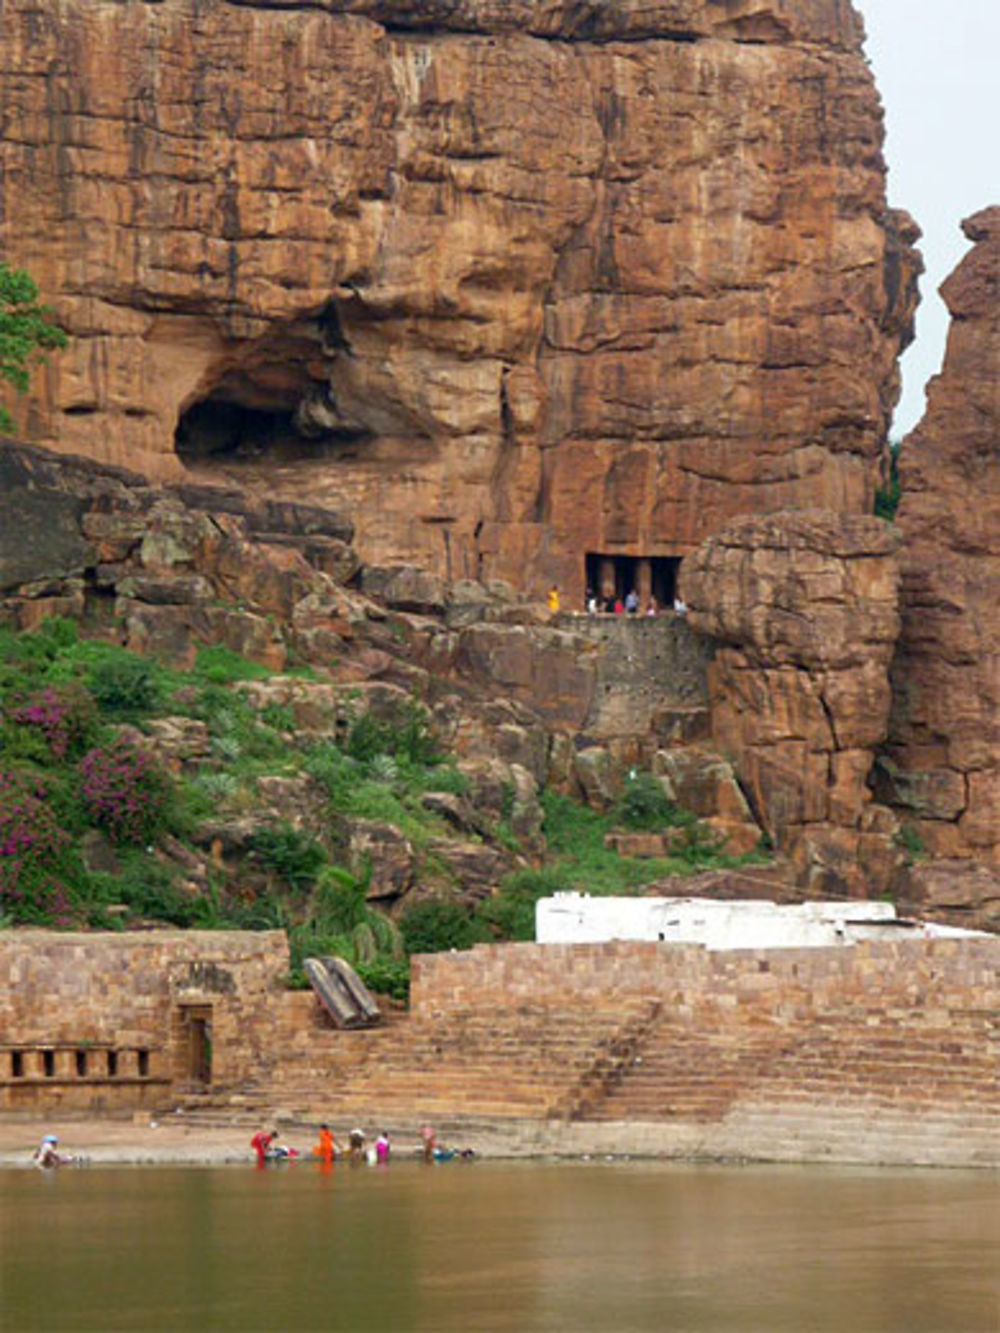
(382, 1148)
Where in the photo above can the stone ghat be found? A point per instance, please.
(883, 1052)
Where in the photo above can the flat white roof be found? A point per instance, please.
(579, 918)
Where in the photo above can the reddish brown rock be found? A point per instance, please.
(961, 893)
(512, 280)
(178, 568)
(381, 857)
(475, 868)
(942, 764)
(804, 606)
(701, 781)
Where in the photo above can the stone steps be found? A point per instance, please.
(645, 1065)
(689, 1073)
(519, 1063)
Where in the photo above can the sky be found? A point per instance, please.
(936, 66)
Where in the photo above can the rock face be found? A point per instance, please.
(164, 570)
(510, 280)
(941, 768)
(804, 606)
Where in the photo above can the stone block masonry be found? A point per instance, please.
(105, 1021)
(886, 1052)
(890, 979)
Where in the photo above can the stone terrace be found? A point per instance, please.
(881, 1052)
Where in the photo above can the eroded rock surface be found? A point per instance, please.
(509, 280)
(804, 608)
(941, 768)
(961, 893)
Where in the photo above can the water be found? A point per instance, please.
(519, 1247)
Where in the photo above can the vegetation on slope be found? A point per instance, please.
(96, 831)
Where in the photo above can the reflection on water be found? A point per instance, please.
(501, 1247)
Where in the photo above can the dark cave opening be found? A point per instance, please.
(221, 431)
(217, 429)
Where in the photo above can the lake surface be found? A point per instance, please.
(496, 1246)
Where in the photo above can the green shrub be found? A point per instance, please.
(278, 716)
(698, 846)
(363, 945)
(407, 736)
(434, 926)
(645, 805)
(337, 772)
(889, 494)
(239, 736)
(126, 686)
(290, 854)
(387, 976)
(511, 912)
(218, 788)
(384, 769)
(353, 793)
(338, 901)
(570, 827)
(909, 841)
(446, 778)
(62, 718)
(151, 890)
(221, 666)
(154, 891)
(53, 637)
(27, 330)
(228, 748)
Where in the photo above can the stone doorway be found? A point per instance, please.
(196, 1045)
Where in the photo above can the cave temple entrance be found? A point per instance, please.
(649, 576)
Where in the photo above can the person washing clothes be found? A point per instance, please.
(47, 1153)
(326, 1149)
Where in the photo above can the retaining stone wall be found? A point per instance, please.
(890, 978)
(879, 1053)
(647, 666)
(104, 1020)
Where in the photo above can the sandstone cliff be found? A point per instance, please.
(804, 606)
(507, 280)
(942, 765)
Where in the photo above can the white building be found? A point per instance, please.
(577, 918)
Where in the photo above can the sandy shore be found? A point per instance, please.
(111, 1142)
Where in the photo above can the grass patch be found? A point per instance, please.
(373, 789)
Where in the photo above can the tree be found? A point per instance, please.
(26, 329)
(889, 494)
